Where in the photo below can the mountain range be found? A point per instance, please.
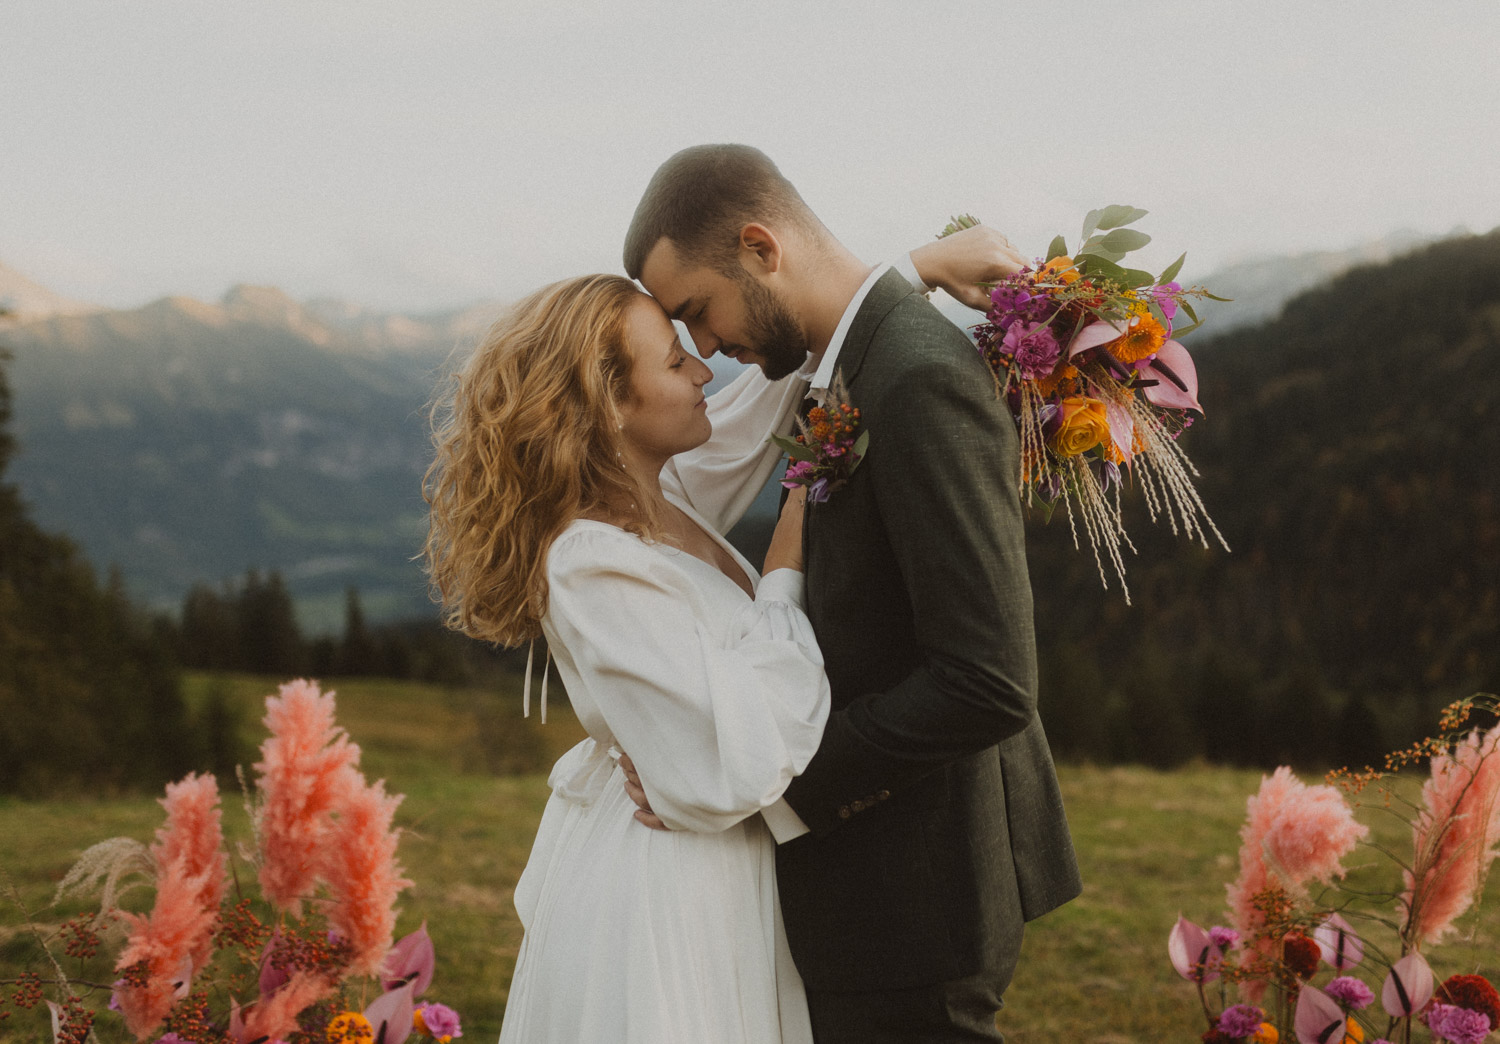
(188, 442)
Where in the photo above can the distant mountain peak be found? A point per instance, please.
(270, 306)
(26, 300)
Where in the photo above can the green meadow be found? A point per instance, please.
(1152, 845)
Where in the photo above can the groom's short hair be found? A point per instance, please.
(703, 196)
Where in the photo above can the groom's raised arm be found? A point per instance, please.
(943, 460)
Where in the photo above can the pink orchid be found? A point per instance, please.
(1408, 987)
(1319, 1018)
(1193, 953)
(1340, 946)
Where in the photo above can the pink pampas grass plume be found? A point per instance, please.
(275, 1017)
(162, 943)
(1293, 834)
(306, 765)
(1455, 837)
(193, 836)
(359, 865)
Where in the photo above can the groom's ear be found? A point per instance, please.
(760, 250)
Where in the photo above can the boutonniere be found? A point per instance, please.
(828, 445)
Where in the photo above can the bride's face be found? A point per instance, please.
(666, 412)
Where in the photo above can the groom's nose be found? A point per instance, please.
(704, 341)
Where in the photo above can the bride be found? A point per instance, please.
(563, 505)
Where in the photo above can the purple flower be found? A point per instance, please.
(1348, 990)
(1166, 302)
(817, 493)
(1459, 1025)
(1012, 301)
(441, 1021)
(1241, 1020)
(172, 1038)
(796, 473)
(1034, 348)
(1223, 938)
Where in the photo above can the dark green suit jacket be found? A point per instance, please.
(935, 817)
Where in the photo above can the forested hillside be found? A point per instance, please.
(89, 692)
(1348, 455)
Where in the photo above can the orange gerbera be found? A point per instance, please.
(1144, 336)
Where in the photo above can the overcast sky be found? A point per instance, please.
(425, 154)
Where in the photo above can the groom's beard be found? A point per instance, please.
(772, 331)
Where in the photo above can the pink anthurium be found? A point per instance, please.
(1121, 428)
(1319, 1018)
(1340, 946)
(1193, 953)
(1093, 335)
(390, 1015)
(410, 960)
(272, 978)
(1408, 987)
(1172, 361)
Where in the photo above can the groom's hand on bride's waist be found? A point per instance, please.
(638, 795)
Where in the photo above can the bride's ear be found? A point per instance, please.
(760, 249)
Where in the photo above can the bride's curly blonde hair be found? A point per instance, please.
(527, 435)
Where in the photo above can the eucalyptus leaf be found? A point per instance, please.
(1170, 272)
(1216, 297)
(1126, 240)
(1118, 215)
(860, 445)
(1183, 304)
(1183, 331)
(792, 448)
(1156, 312)
(1102, 267)
(1058, 248)
(1136, 277)
(1103, 254)
(1090, 222)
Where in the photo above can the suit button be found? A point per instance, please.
(858, 806)
(844, 812)
(882, 795)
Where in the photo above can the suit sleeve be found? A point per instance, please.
(944, 463)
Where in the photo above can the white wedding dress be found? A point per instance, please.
(638, 936)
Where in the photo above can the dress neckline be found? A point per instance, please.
(740, 560)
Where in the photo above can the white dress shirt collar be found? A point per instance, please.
(822, 377)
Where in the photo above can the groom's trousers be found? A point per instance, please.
(958, 1012)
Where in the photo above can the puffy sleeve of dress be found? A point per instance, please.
(718, 719)
(721, 477)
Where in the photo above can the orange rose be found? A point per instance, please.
(1060, 268)
(1083, 424)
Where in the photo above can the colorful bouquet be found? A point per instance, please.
(1281, 938)
(206, 968)
(1084, 352)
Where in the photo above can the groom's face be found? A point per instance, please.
(739, 317)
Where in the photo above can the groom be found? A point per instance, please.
(934, 826)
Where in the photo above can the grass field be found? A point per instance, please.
(1152, 845)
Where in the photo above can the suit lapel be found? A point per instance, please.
(887, 292)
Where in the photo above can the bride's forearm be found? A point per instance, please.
(961, 262)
